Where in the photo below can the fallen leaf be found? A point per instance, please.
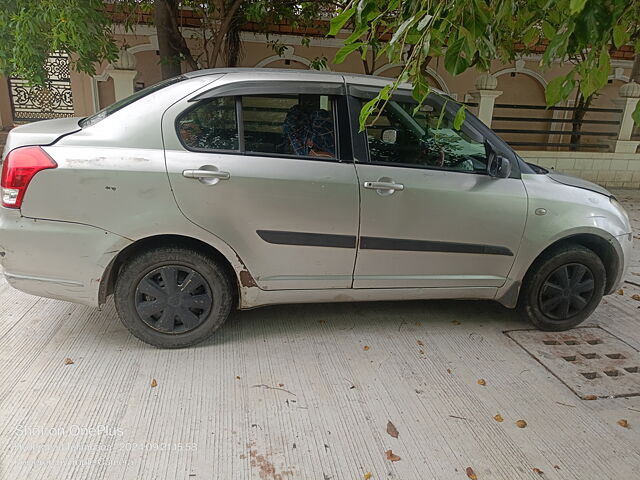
(620, 292)
(365, 348)
(392, 456)
(281, 385)
(456, 322)
(392, 430)
(367, 476)
(590, 397)
(557, 467)
(636, 297)
(154, 383)
(481, 381)
(471, 474)
(237, 377)
(448, 370)
(420, 343)
(538, 471)
(418, 324)
(321, 321)
(623, 423)
(521, 424)
(498, 418)
(68, 361)
(421, 352)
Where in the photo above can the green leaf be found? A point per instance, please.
(548, 30)
(553, 92)
(365, 113)
(458, 120)
(338, 21)
(426, 45)
(423, 23)
(530, 37)
(619, 36)
(455, 63)
(346, 50)
(636, 114)
(576, 6)
(420, 89)
(402, 29)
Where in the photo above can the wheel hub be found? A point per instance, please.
(173, 299)
(566, 291)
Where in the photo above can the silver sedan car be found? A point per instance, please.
(224, 189)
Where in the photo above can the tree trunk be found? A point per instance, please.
(227, 17)
(164, 14)
(635, 70)
(581, 107)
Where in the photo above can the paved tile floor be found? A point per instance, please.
(306, 392)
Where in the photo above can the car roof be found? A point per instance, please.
(373, 80)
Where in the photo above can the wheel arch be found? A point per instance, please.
(597, 241)
(597, 244)
(240, 277)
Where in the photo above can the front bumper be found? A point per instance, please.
(626, 245)
(53, 259)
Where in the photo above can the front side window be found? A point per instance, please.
(426, 138)
(300, 125)
(210, 125)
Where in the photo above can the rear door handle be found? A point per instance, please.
(383, 186)
(206, 174)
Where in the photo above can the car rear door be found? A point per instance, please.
(243, 165)
(430, 214)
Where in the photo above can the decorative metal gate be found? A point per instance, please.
(39, 102)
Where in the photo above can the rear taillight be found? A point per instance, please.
(20, 165)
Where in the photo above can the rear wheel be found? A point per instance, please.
(563, 288)
(172, 297)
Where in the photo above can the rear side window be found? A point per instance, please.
(111, 109)
(210, 125)
(300, 125)
(289, 125)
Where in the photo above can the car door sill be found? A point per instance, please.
(255, 297)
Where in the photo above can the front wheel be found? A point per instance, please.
(563, 288)
(172, 297)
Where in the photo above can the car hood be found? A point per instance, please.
(44, 132)
(578, 183)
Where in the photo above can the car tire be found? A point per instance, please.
(173, 297)
(563, 288)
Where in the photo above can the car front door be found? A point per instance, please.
(261, 166)
(431, 216)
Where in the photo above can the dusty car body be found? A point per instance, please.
(285, 219)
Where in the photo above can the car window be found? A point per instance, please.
(426, 138)
(210, 125)
(300, 125)
(113, 108)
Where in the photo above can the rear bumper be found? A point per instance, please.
(54, 259)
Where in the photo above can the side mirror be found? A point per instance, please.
(389, 135)
(498, 166)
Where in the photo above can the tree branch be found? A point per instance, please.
(224, 28)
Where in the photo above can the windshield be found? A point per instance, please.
(105, 112)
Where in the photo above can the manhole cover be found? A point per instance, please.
(590, 361)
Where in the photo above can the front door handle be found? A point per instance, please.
(206, 174)
(389, 186)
